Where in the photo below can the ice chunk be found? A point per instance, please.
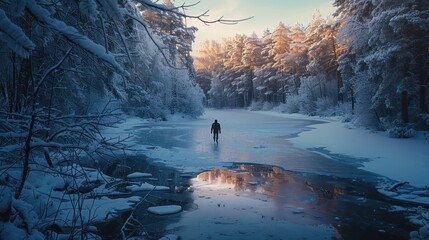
(169, 237)
(298, 210)
(139, 175)
(165, 210)
(146, 187)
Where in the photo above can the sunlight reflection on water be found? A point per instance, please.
(287, 189)
(252, 201)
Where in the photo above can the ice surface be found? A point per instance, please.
(291, 141)
(266, 138)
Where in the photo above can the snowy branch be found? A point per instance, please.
(13, 36)
(73, 35)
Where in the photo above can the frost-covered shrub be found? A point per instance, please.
(267, 106)
(325, 106)
(307, 106)
(280, 108)
(400, 130)
(292, 105)
(151, 110)
(423, 122)
(261, 106)
(330, 107)
(344, 109)
(296, 104)
(143, 104)
(308, 92)
(18, 220)
(256, 106)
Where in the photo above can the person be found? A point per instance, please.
(215, 130)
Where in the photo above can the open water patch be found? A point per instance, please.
(250, 201)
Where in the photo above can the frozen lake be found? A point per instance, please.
(250, 137)
(255, 184)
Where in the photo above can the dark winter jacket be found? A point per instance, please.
(215, 127)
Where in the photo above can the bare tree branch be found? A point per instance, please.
(48, 71)
(201, 17)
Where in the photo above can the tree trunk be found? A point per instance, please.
(422, 64)
(422, 95)
(337, 76)
(251, 94)
(14, 90)
(404, 106)
(46, 150)
(353, 101)
(27, 149)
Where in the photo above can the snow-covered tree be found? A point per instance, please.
(381, 37)
(67, 69)
(369, 59)
(251, 60)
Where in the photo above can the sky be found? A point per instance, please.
(266, 15)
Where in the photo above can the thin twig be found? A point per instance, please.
(200, 17)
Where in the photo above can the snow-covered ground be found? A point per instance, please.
(399, 159)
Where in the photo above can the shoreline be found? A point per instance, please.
(161, 175)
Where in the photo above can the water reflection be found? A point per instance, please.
(269, 180)
(342, 207)
(216, 149)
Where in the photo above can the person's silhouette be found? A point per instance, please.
(215, 130)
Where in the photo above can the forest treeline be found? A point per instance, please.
(369, 61)
(69, 70)
(133, 54)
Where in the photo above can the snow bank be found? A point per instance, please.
(65, 196)
(95, 210)
(398, 159)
